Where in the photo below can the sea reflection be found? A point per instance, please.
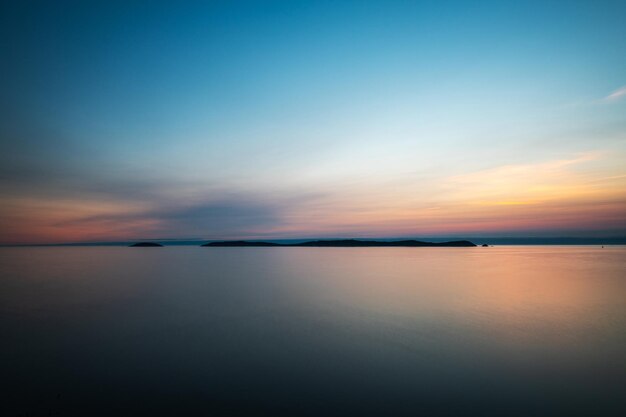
(314, 331)
(504, 281)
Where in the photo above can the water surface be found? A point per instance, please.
(507, 331)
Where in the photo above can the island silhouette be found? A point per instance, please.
(146, 245)
(344, 243)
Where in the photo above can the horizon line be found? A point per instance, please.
(501, 240)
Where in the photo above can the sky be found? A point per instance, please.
(294, 119)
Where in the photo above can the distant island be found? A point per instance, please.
(344, 243)
(146, 245)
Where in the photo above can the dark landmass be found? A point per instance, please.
(146, 245)
(500, 241)
(244, 243)
(347, 243)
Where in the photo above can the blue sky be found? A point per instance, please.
(296, 119)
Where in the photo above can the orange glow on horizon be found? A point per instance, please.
(583, 193)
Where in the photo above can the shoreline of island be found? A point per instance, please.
(490, 241)
(345, 243)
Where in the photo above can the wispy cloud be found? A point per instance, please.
(618, 94)
(215, 219)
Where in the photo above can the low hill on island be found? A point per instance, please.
(344, 243)
(146, 245)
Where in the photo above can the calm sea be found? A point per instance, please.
(186, 331)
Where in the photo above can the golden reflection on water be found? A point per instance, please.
(515, 293)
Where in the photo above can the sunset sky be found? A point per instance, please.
(259, 119)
